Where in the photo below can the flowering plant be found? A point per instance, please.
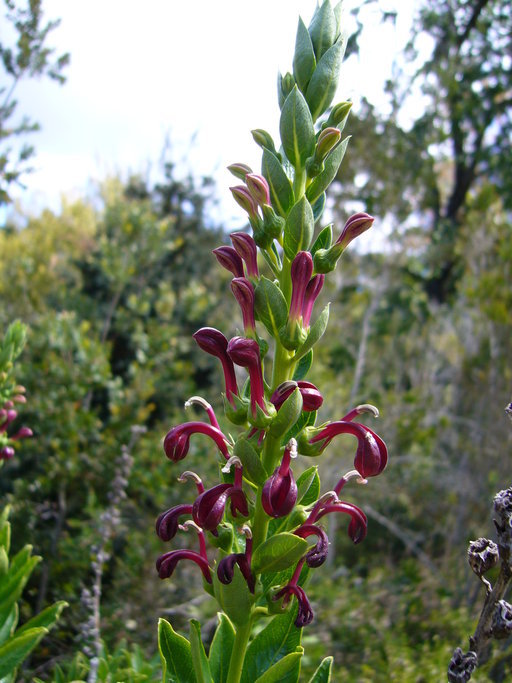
(264, 522)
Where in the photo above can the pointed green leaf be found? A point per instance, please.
(331, 166)
(278, 552)
(14, 581)
(15, 650)
(318, 206)
(199, 659)
(322, 28)
(287, 415)
(4, 561)
(175, 652)
(324, 239)
(253, 467)
(324, 82)
(308, 485)
(281, 190)
(220, 649)
(278, 639)
(47, 618)
(323, 673)
(299, 228)
(303, 366)
(304, 61)
(315, 333)
(305, 420)
(270, 306)
(234, 598)
(5, 531)
(8, 624)
(286, 670)
(296, 128)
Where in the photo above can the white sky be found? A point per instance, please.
(203, 69)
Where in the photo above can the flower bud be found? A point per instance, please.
(215, 343)
(243, 198)
(243, 292)
(230, 260)
(312, 399)
(245, 247)
(279, 493)
(258, 187)
(338, 115)
(239, 170)
(264, 140)
(327, 141)
(355, 226)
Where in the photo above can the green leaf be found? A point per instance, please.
(281, 190)
(47, 618)
(8, 623)
(288, 414)
(324, 82)
(303, 366)
(279, 638)
(15, 650)
(331, 166)
(278, 552)
(253, 467)
(176, 655)
(304, 60)
(323, 673)
(12, 584)
(318, 206)
(286, 670)
(299, 228)
(323, 28)
(5, 532)
(199, 659)
(270, 306)
(296, 128)
(324, 239)
(234, 598)
(308, 485)
(305, 420)
(220, 649)
(315, 333)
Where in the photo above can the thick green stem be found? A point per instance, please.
(238, 653)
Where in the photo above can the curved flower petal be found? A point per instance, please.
(167, 522)
(167, 562)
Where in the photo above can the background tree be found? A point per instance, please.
(24, 53)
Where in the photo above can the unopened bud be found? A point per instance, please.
(338, 116)
(263, 139)
(239, 170)
(327, 140)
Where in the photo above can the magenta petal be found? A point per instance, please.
(372, 454)
(358, 524)
(317, 555)
(208, 508)
(279, 494)
(167, 562)
(167, 522)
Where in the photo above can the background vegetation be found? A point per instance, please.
(112, 287)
